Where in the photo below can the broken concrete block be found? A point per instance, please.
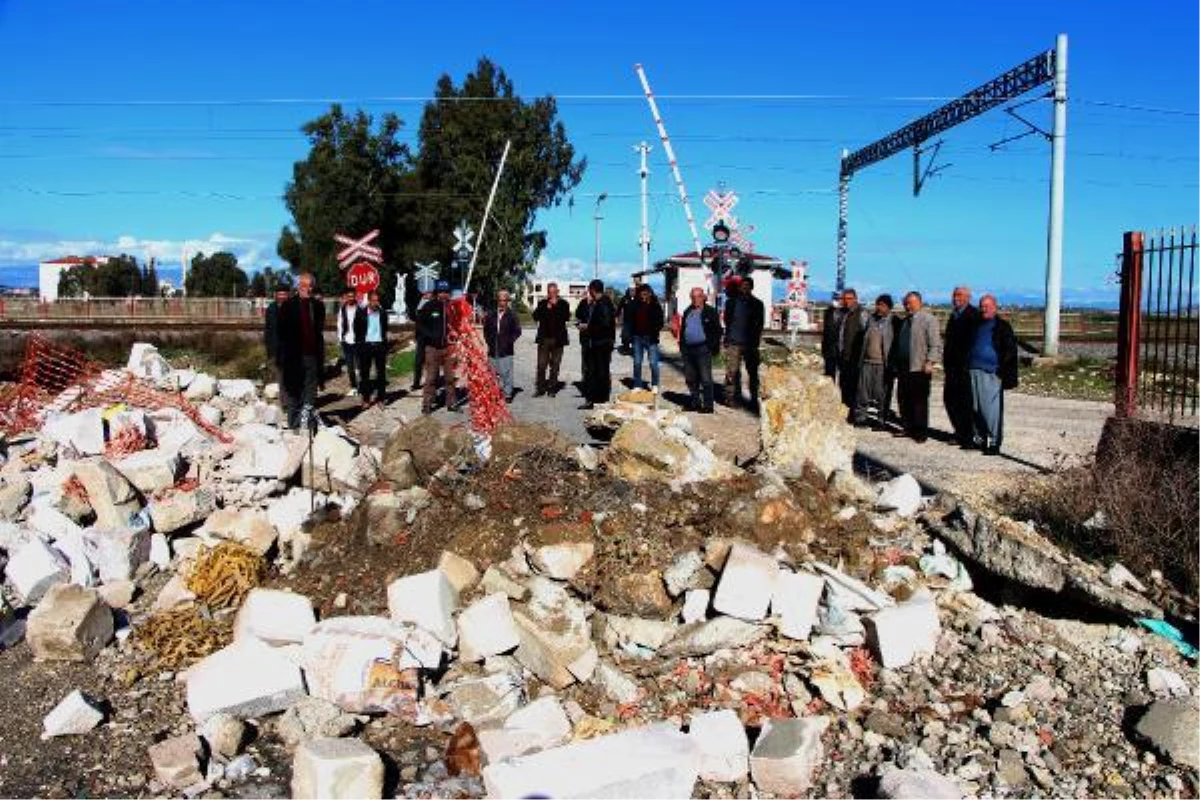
(560, 549)
(616, 685)
(73, 716)
(211, 415)
(900, 634)
(486, 628)
(70, 624)
(695, 605)
(747, 583)
(336, 769)
(459, 571)
(678, 576)
(173, 594)
(427, 600)
(151, 470)
(274, 617)
(15, 492)
(177, 761)
(705, 638)
(175, 510)
(289, 513)
(540, 725)
(224, 734)
(786, 754)
(1170, 728)
(912, 784)
(556, 642)
(487, 701)
(249, 527)
(653, 761)
(724, 747)
(118, 594)
(112, 497)
(641, 594)
(651, 633)
(271, 460)
(901, 494)
(245, 679)
(117, 552)
(34, 569)
(314, 718)
(496, 579)
(795, 601)
(160, 551)
(82, 431)
(146, 362)
(236, 389)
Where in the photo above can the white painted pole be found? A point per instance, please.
(644, 240)
(1054, 239)
(486, 213)
(670, 151)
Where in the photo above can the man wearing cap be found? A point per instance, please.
(433, 325)
(872, 369)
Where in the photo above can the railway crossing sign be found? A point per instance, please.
(426, 275)
(363, 278)
(462, 240)
(797, 287)
(358, 249)
(721, 205)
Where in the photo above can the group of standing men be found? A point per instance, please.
(869, 351)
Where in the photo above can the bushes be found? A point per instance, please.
(1137, 501)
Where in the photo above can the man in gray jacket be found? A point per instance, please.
(873, 365)
(917, 348)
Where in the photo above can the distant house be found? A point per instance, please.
(534, 289)
(50, 271)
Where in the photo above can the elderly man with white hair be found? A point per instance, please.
(992, 363)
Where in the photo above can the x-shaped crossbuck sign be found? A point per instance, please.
(426, 275)
(358, 248)
(721, 205)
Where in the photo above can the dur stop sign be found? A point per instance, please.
(362, 278)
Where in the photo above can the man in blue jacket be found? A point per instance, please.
(699, 341)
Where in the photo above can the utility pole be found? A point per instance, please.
(1054, 238)
(644, 239)
(843, 224)
(599, 199)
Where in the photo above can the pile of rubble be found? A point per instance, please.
(646, 619)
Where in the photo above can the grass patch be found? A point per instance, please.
(401, 363)
(1082, 379)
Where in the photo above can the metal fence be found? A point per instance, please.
(1157, 370)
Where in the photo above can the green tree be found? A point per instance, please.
(462, 136)
(119, 276)
(266, 280)
(217, 275)
(351, 182)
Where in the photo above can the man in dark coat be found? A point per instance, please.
(744, 319)
(551, 315)
(433, 326)
(699, 341)
(371, 345)
(992, 365)
(271, 342)
(581, 314)
(855, 319)
(301, 352)
(644, 319)
(501, 329)
(831, 325)
(599, 330)
(956, 392)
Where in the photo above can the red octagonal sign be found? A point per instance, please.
(362, 277)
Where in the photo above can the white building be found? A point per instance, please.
(50, 271)
(535, 290)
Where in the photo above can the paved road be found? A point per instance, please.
(1040, 432)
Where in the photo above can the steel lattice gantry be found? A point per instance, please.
(1047, 67)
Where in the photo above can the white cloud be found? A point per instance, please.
(613, 273)
(252, 253)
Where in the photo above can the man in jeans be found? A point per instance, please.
(699, 341)
(644, 318)
(345, 334)
(433, 325)
(992, 364)
(501, 329)
(917, 348)
(744, 314)
(551, 315)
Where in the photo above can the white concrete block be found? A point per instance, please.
(245, 679)
(461, 573)
(786, 754)
(336, 769)
(224, 734)
(654, 761)
(616, 685)
(177, 509)
(562, 561)
(695, 605)
(274, 617)
(117, 553)
(747, 583)
(73, 716)
(901, 494)
(540, 725)
(486, 628)
(264, 460)
(150, 470)
(70, 624)
(34, 568)
(795, 601)
(160, 551)
(83, 431)
(724, 747)
(426, 600)
(236, 389)
(901, 633)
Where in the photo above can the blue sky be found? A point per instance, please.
(152, 127)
